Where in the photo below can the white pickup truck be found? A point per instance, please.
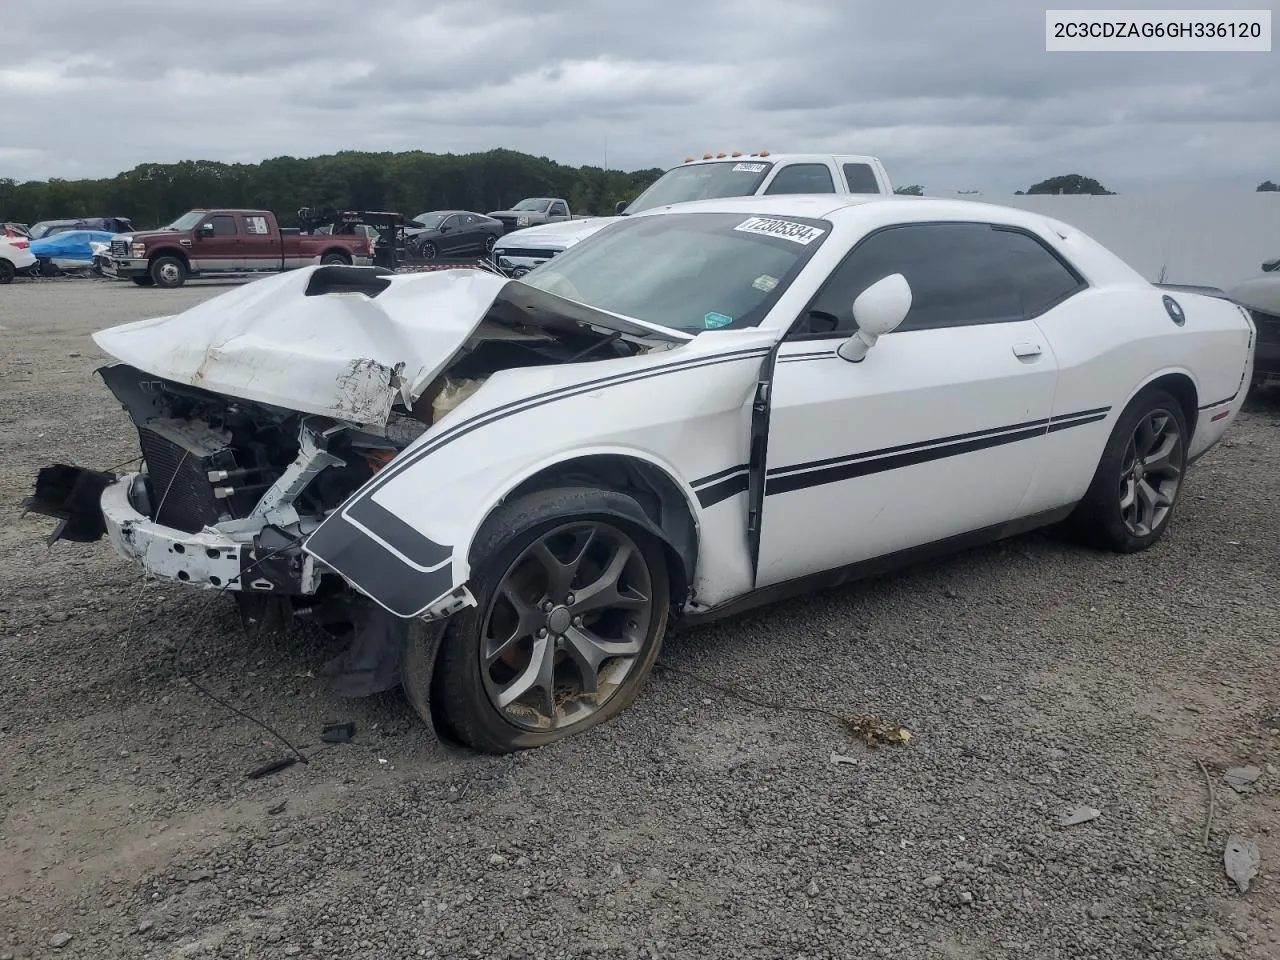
(711, 177)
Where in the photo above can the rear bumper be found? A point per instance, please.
(265, 564)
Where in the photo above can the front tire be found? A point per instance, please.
(168, 273)
(427, 251)
(572, 602)
(1130, 503)
(143, 281)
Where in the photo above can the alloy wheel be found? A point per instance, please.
(1150, 472)
(567, 623)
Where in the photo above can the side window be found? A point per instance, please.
(223, 225)
(470, 220)
(861, 178)
(959, 275)
(1042, 279)
(255, 225)
(802, 178)
(559, 210)
(450, 222)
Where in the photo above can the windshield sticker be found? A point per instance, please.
(764, 282)
(713, 321)
(749, 167)
(785, 229)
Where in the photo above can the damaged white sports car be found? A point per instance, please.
(506, 491)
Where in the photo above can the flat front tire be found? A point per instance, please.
(572, 602)
(1130, 502)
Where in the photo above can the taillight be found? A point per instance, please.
(20, 244)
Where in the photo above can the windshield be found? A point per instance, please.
(538, 206)
(186, 221)
(430, 220)
(702, 181)
(690, 272)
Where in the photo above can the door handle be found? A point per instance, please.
(1026, 351)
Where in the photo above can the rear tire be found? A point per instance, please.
(7, 272)
(597, 660)
(168, 273)
(331, 259)
(1130, 502)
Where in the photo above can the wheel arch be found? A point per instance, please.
(667, 503)
(178, 252)
(342, 252)
(1181, 386)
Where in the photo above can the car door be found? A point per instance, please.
(451, 238)
(219, 251)
(259, 246)
(936, 433)
(559, 211)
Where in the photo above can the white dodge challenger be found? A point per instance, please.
(505, 491)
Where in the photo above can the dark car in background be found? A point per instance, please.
(47, 228)
(1260, 295)
(452, 233)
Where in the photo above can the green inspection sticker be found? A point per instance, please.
(714, 321)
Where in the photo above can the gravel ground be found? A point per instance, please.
(1035, 677)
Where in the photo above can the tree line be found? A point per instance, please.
(412, 182)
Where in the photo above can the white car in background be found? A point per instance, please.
(712, 177)
(15, 258)
(508, 490)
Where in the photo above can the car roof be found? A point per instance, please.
(783, 158)
(839, 206)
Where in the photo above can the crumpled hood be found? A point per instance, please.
(563, 234)
(343, 355)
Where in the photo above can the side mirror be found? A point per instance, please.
(619, 207)
(878, 310)
(206, 230)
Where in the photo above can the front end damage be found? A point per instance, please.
(234, 480)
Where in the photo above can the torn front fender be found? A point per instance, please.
(404, 538)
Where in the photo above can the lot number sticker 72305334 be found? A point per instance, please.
(785, 229)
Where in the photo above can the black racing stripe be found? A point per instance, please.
(401, 589)
(905, 447)
(907, 458)
(1079, 413)
(816, 355)
(709, 496)
(421, 549)
(538, 400)
(718, 476)
(1068, 424)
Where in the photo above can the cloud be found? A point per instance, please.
(954, 96)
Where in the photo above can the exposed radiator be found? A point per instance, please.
(179, 456)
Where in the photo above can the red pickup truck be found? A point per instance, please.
(222, 243)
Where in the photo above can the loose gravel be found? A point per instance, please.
(1037, 678)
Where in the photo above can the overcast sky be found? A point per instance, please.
(952, 95)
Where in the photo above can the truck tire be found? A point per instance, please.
(330, 259)
(143, 281)
(168, 272)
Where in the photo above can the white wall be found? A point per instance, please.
(1214, 237)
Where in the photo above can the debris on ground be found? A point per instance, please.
(1239, 777)
(1241, 860)
(839, 758)
(874, 731)
(338, 732)
(1078, 815)
(273, 766)
(277, 808)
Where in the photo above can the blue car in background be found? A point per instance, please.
(70, 250)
